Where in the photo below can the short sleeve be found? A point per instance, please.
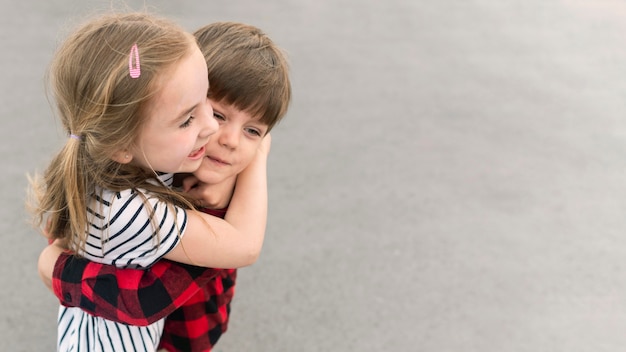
(134, 230)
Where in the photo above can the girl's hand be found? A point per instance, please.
(266, 144)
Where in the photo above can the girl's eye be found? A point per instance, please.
(218, 116)
(187, 123)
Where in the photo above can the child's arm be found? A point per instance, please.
(47, 260)
(144, 297)
(129, 296)
(236, 241)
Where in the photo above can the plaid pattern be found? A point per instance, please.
(200, 322)
(195, 300)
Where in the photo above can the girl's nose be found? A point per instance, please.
(210, 124)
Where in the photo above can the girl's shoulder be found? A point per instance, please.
(108, 196)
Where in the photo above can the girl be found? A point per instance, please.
(131, 91)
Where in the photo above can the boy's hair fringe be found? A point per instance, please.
(246, 69)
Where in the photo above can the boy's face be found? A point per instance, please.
(233, 146)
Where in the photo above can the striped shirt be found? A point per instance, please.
(128, 229)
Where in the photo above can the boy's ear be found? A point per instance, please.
(122, 156)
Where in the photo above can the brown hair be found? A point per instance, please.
(99, 102)
(246, 69)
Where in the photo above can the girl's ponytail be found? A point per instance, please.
(61, 195)
(74, 168)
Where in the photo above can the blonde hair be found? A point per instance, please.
(246, 69)
(100, 104)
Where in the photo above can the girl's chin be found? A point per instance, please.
(190, 166)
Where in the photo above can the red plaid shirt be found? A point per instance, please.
(195, 301)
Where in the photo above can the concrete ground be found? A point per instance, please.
(450, 176)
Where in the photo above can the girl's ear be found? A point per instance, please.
(122, 156)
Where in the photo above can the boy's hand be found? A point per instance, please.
(46, 232)
(47, 260)
(195, 189)
(190, 182)
(207, 195)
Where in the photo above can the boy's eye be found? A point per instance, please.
(254, 131)
(218, 116)
(187, 123)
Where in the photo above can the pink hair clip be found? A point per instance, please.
(135, 70)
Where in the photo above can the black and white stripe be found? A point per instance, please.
(79, 331)
(134, 229)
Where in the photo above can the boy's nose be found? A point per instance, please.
(229, 136)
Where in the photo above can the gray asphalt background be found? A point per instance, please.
(450, 176)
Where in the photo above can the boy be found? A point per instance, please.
(250, 92)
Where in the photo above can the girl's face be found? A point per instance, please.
(179, 119)
(233, 146)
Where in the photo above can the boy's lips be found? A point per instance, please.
(197, 154)
(217, 160)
